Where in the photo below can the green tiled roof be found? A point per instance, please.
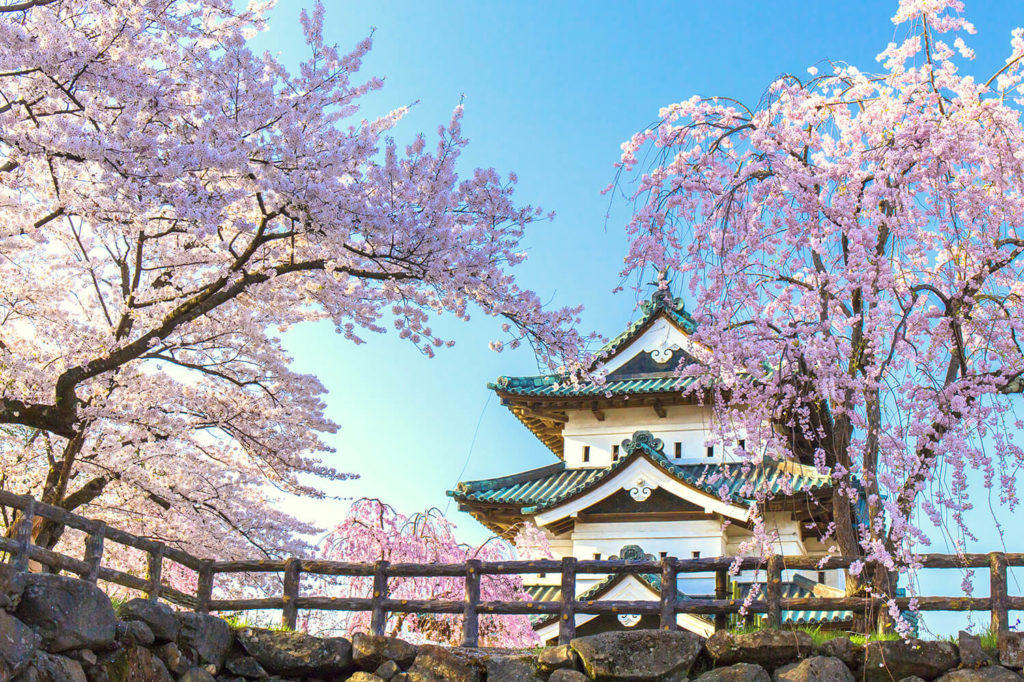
(792, 590)
(789, 591)
(539, 489)
(553, 385)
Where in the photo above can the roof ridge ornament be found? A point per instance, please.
(642, 439)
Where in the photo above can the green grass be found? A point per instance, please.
(989, 641)
(819, 635)
(238, 621)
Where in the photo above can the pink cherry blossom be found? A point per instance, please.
(171, 202)
(854, 251)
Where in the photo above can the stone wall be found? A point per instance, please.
(59, 629)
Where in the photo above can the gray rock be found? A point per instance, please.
(206, 637)
(387, 670)
(1011, 650)
(67, 613)
(296, 653)
(638, 654)
(992, 673)
(159, 617)
(52, 668)
(196, 674)
(363, 676)
(246, 666)
(557, 657)
(18, 643)
(740, 672)
(134, 632)
(843, 649)
(913, 678)
(512, 668)
(767, 648)
(437, 664)
(172, 657)
(83, 656)
(814, 669)
(12, 583)
(130, 664)
(971, 653)
(566, 675)
(896, 659)
(370, 651)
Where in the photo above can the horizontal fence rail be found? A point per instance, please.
(21, 553)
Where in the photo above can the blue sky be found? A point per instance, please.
(551, 91)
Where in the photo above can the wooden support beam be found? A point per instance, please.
(24, 535)
(659, 409)
(997, 592)
(290, 610)
(154, 572)
(669, 593)
(598, 412)
(567, 616)
(773, 592)
(721, 592)
(470, 620)
(378, 613)
(94, 552)
(204, 590)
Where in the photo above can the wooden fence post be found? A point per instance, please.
(773, 591)
(204, 590)
(154, 571)
(669, 593)
(94, 551)
(470, 620)
(721, 592)
(997, 592)
(567, 616)
(378, 615)
(290, 610)
(24, 535)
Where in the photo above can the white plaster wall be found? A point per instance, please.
(686, 424)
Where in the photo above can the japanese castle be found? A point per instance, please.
(637, 478)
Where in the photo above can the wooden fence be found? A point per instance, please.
(21, 551)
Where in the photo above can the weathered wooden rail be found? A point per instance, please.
(21, 552)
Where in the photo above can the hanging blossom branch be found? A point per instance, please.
(853, 246)
(374, 531)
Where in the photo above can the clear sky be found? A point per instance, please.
(551, 91)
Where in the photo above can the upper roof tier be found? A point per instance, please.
(640, 367)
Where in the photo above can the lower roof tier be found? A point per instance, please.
(539, 490)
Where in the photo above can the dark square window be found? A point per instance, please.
(615, 453)
(696, 554)
(663, 554)
(711, 451)
(743, 444)
(586, 453)
(679, 449)
(597, 556)
(821, 577)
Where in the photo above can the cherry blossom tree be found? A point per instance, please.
(853, 247)
(374, 531)
(170, 203)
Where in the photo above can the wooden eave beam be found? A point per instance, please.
(598, 412)
(659, 409)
